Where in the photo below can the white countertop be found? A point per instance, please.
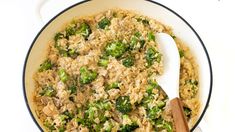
(212, 19)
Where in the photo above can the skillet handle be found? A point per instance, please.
(47, 9)
(180, 122)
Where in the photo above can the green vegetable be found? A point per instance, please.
(103, 23)
(152, 55)
(129, 127)
(103, 62)
(128, 62)
(164, 125)
(72, 89)
(108, 126)
(123, 104)
(181, 53)
(71, 30)
(58, 36)
(187, 112)
(115, 49)
(151, 36)
(72, 53)
(46, 65)
(50, 126)
(69, 114)
(136, 41)
(84, 30)
(154, 113)
(86, 75)
(144, 21)
(161, 104)
(113, 85)
(63, 75)
(173, 36)
(151, 86)
(48, 91)
(90, 113)
(62, 129)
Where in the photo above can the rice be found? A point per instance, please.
(100, 72)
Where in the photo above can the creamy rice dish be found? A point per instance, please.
(99, 75)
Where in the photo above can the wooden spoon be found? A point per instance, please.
(169, 81)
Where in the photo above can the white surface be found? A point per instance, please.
(212, 19)
(171, 64)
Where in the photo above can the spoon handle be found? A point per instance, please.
(180, 122)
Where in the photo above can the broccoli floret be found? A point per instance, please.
(128, 62)
(163, 125)
(68, 114)
(152, 55)
(161, 104)
(103, 62)
(49, 125)
(154, 113)
(63, 75)
(123, 104)
(84, 30)
(90, 113)
(62, 129)
(114, 85)
(86, 75)
(71, 30)
(115, 49)
(151, 36)
(128, 124)
(72, 89)
(103, 23)
(181, 53)
(46, 65)
(187, 112)
(107, 126)
(129, 127)
(58, 36)
(136, 41)
(151, 85)
(48, 91)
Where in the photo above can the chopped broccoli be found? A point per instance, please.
(103, 23)
(123, 104)
(48, 91)
(86, 75)
(151, 36)
(46, 65)
(181, 53)
(163, 125)
(152, 84)
(72, 53)
(144, 21)
(128, 62)
(58, 36)
(63, 75)
(90, 113)
(114, 85)
(62, 129)
(154, 113)
(152, 55)
(103, 62)
(49, 125)
(69, 114)
(161, 104)
(115, 49)
(84, 30)
(71, 30)
(107, 126)
(72, 89)
(136, 42)
(128, 124)
(187, 112)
